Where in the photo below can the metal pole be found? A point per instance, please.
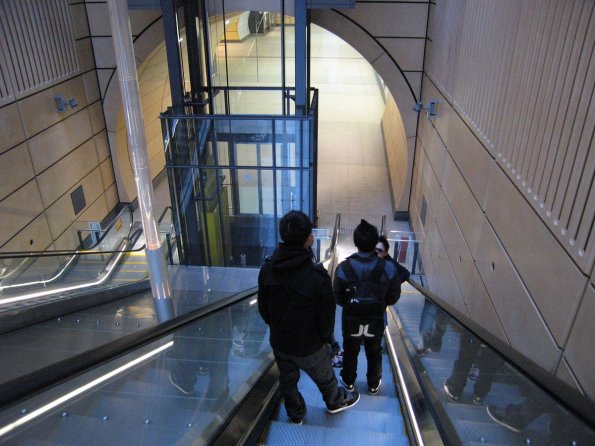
(137, 144)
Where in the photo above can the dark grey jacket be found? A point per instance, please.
(364, 262)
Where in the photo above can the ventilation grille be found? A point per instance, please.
(38, 46)
(523, 77)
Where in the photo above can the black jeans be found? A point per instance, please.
(373, 355)
(318, 367)
(470, 351)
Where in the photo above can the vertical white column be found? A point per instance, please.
(137, 144)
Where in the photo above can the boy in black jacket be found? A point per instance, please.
(364, 270)
(295, 299)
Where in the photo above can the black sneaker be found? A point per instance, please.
(449, 393)
(298, 422)
(350, 400)
(185, 389)
(421, 349)
(349, 387)
(499, 416)
(374, 390)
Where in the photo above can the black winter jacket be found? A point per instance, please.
(295, 298)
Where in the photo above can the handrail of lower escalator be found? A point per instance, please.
(581, 406)
(101, 277)
(46, 377)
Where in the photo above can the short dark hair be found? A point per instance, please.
(295, 227)
(382, 239)
(365, 236)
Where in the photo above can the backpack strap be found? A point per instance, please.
(375, 274)
(349, 272)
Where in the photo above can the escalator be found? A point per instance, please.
(35, 286)
(207, 376)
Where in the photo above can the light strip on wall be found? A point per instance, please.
(63, 399)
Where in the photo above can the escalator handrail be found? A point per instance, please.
(102, 277)
(65, 252)
(41, 380)
(572, 399)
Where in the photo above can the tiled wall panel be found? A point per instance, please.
(45, 153)
(59, 178)
(11, 127)
(516, 310)
(18, 210)
(581, 343)
(16, 169)
(52, 144)
(521, 74)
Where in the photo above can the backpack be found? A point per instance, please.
(364, 310)
(364, 296)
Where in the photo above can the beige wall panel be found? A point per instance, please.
(430, 256)
(15, 170)
(565, 374)
(103, 48)
(18, 209)
(112, 103)
(85, 53)
(580, 348)
(96, 114)
(11, 127)
(39, 110)
(60, 177)
(100, 25)
(156, 164)
(102, 146)
(391, 19)
(104, 79)
(91, 87)
(444, 110)
(148, 41)
(409, 53)
(79, 20)
(68, 240)
(33, 237)
(347, 31)
(72, 132)
(403, 203)
(473, 160)
(400, 91)
(467, 212)
(107, 173)
(111, 197)
(96, 212)
(454, 243)
(414, 80)
(122, 167)
(540, 260)
(430, 186)
(433, 147)
(140, 18)
(61, 214)
(481, 309)
(451, 292)
(516, 310)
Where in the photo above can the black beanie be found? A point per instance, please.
(365, 236)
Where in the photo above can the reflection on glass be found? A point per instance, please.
(474, 384)
(174, 391)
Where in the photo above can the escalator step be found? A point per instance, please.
(286, 434)
(354, 419)
(376, 403)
